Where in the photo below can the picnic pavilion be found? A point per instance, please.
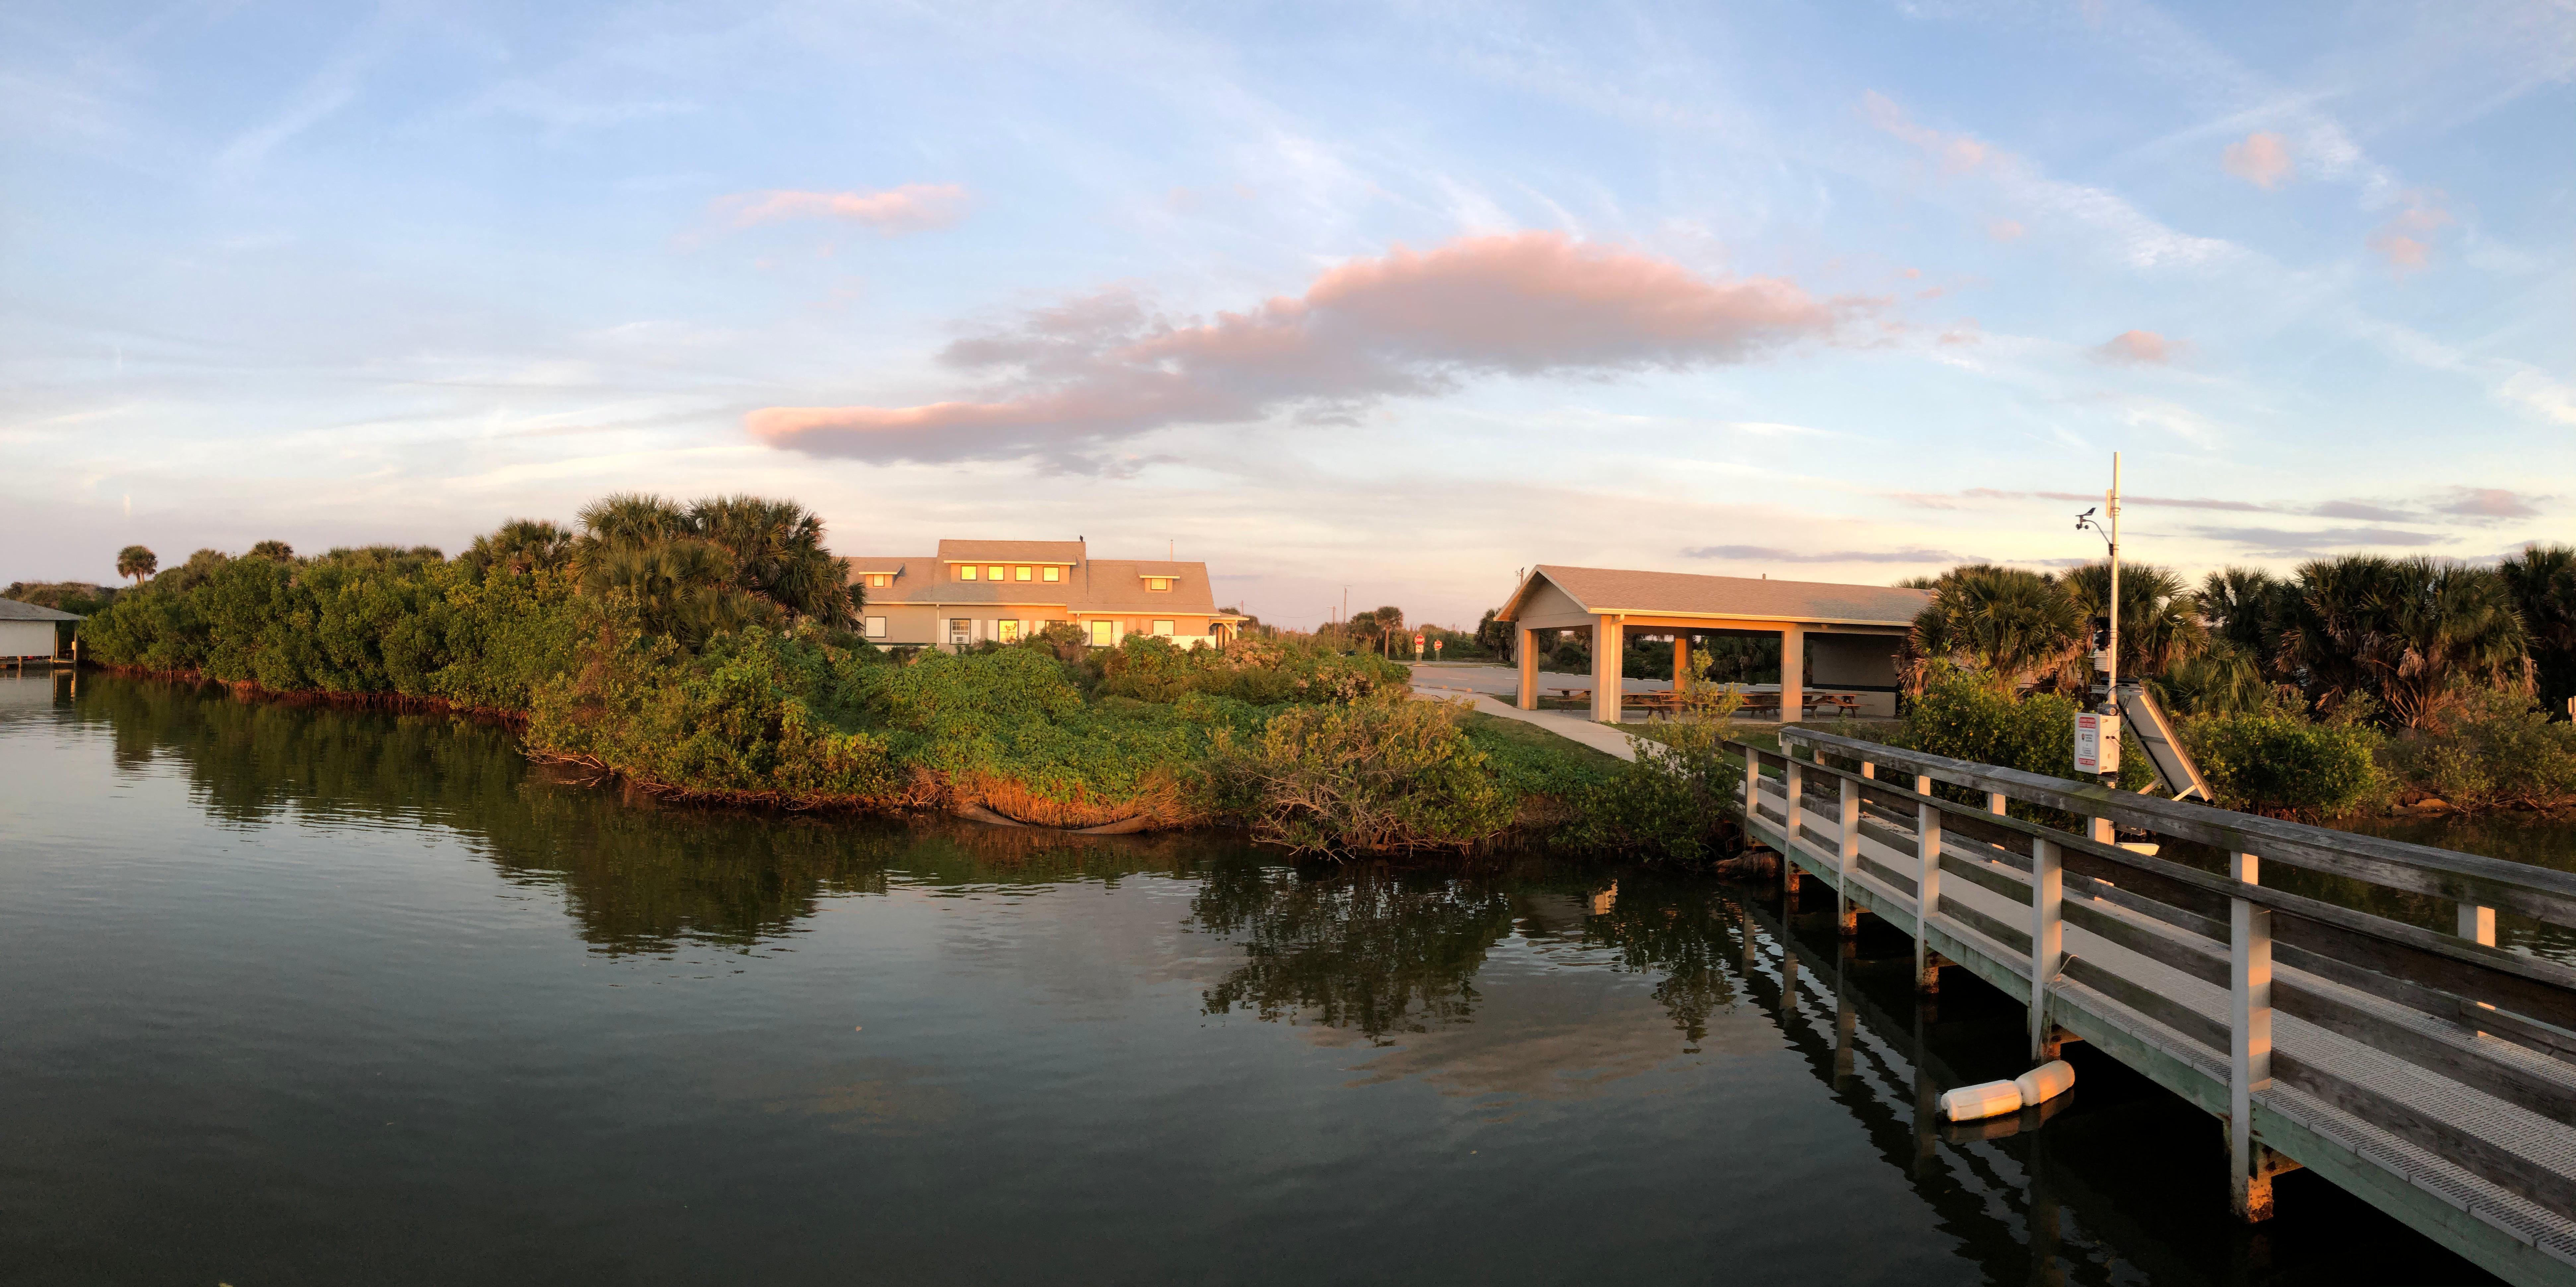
(1837, 639)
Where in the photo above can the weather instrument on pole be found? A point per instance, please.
(2097, 732)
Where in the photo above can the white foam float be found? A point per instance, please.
(1996, 1098)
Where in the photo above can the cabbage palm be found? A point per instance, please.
(137, 562)
(778, 554)
(2543, 580)
(2411, 632)
(2160, 622)
(2014, 627)
(522, 545)
(682, 588)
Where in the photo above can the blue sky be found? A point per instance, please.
(1396, 297)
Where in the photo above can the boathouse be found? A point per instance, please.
(31, 633)
(1840, 637)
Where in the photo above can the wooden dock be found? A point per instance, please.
(2431, 1074)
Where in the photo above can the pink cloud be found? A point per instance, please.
(2139, 346)
(2263, 160)
(1957, 153)
(2405, 241)
(914, 207)
(1405, 323)
(2004, 229)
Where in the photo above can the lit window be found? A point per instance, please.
(1158, 583)
(966, 572)
(879, 580)
(1054, 573)
(1019, 574)
(876, 627)
(1162, 627)
(1007, 631)
(1104, 633)
(993, 574)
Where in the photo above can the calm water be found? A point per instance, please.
(297, 995)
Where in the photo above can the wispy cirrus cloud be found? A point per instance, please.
(913, 207)
(1108, 366)
(2137, 239)
(2290, 542)
(1773, 554)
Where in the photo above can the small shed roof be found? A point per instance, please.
(1690, 594)
(12, 610)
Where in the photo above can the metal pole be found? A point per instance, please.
(2111, 688)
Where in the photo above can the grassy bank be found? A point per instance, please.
(684, 651)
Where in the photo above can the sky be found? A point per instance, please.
(1385, 300)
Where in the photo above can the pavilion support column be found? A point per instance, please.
(1793, 673)
(1525, 649)
(1681, 662)
(1608, 644)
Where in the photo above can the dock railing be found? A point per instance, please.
(2432, 1074)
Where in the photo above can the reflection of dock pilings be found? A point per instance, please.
(2024, 1215)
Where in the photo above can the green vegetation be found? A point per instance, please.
(79, 598)
(701, 653)
(2357, 682)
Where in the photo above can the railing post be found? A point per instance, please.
(1995, 802)
(2249, 1053)
(1793, 780)
(2047, 939)
(1927, 885)
(2477, 924)
(1752, 787)
(1846, 911)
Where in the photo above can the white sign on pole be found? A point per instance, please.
(2097, 743)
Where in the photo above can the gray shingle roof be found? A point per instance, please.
(1694, 594)
(12, 610)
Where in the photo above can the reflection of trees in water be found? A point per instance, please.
(1673, 927)
(636, 876)
(1360, 948)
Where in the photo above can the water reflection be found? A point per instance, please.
(1517, 981)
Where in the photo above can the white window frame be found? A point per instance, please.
(1164, 628)
(1104, 632)
(876, 628)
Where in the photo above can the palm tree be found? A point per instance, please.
(2243, 606)
(683, 588)
(778, 554)
(522, 545)
(2014, 627)
(2160, 623)
(2413, 633)
(2543, 581)
(629, 519)
(137, 562)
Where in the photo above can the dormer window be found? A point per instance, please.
(1055, 574)
(965, 571)
(1159, 582)
(879, 580)
(1019, 574)
(992, 574)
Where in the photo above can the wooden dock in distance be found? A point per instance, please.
(2433, 1075)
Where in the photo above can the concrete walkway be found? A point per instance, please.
(1567, 724)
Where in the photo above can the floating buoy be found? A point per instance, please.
(1987, 1099)
(2046, 1082)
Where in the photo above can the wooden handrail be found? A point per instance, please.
(2535, 969)
(2538, 892)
